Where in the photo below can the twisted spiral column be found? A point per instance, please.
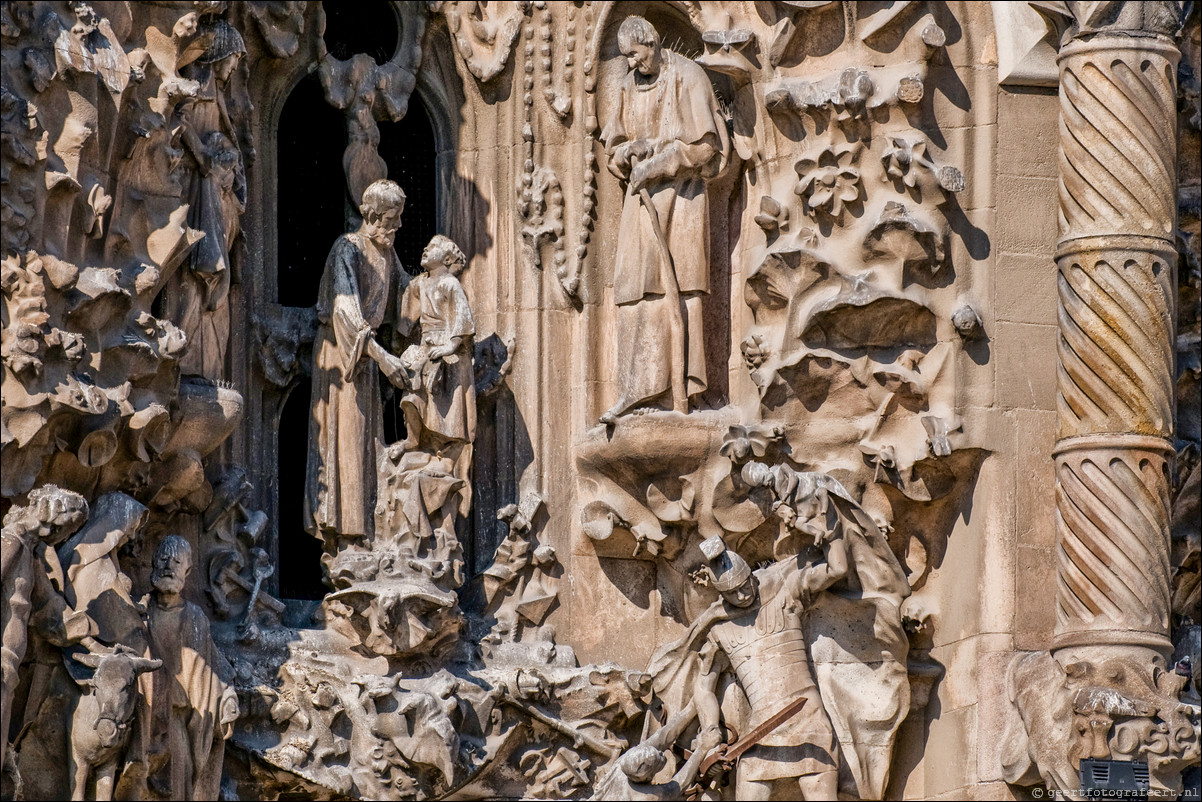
(1117, 200)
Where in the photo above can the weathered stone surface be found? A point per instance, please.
(712, 400)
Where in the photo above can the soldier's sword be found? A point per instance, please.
(729, 754)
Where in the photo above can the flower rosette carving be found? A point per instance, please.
(828, 182)
(906, 163)
(752, 441)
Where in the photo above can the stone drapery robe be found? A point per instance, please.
(196, 296)
(31, 603)
(677, 114)
(183, 703)
(446, 401)
(346, 425)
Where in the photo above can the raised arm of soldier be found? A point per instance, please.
(705, 697)
(808, 582)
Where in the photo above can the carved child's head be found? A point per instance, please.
(382, 205)
(172, 563)
(643, 762)
(442, 251)
(640, 44)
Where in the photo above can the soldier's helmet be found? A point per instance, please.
(727, 569)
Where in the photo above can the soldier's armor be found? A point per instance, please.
(767, 651)
(773, 667)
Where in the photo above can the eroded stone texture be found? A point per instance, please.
(850, 448)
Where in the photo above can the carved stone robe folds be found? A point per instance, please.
(678, 115)
(346, 427)
(184, 701)
(197, 295)
(447, 401)
(31, 602)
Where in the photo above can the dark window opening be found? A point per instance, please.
(300, 552)
(312, 212)
(368, 26)
(311, 199)
(407, 147)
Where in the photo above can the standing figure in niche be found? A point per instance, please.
(664, 139)
(440, 407)
(358, 293)
(215, 190)
(191, 707)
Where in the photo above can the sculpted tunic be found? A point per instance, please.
(677, 114)
(346, 425)
(447, 401)
(184, 700)
(196, 296)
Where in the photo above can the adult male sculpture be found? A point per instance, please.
(664, 138)
(31, 601)
(190, 709)
(756, 628)
(358, 294)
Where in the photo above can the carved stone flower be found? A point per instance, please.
(742, 443)
(906, 161)
(828, 182)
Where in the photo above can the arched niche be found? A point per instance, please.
(311, 208)
(679, 33)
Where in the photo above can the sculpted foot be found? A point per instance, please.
(611, 415)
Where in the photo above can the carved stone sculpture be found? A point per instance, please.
(759, 633)
(103, 718)
(361, 284)
(190, 709)
(440, 406)
(664, 139)
(897, 360)
(215, 190)
(29, 536)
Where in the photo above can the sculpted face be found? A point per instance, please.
(382, 229)
(223, 69)
(643, 763)
(170, 572)
(432, 257)
(743, 595)
(645, 59)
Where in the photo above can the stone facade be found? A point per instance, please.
(595, 400)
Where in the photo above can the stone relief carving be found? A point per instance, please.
(214, 187)
(361, 282)
(792, 172)
(664, 138)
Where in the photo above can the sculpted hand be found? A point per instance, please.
(395, 372)
(640, 174)
(708, 740)
(229, 711)
(441, 351)
(638, 149)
